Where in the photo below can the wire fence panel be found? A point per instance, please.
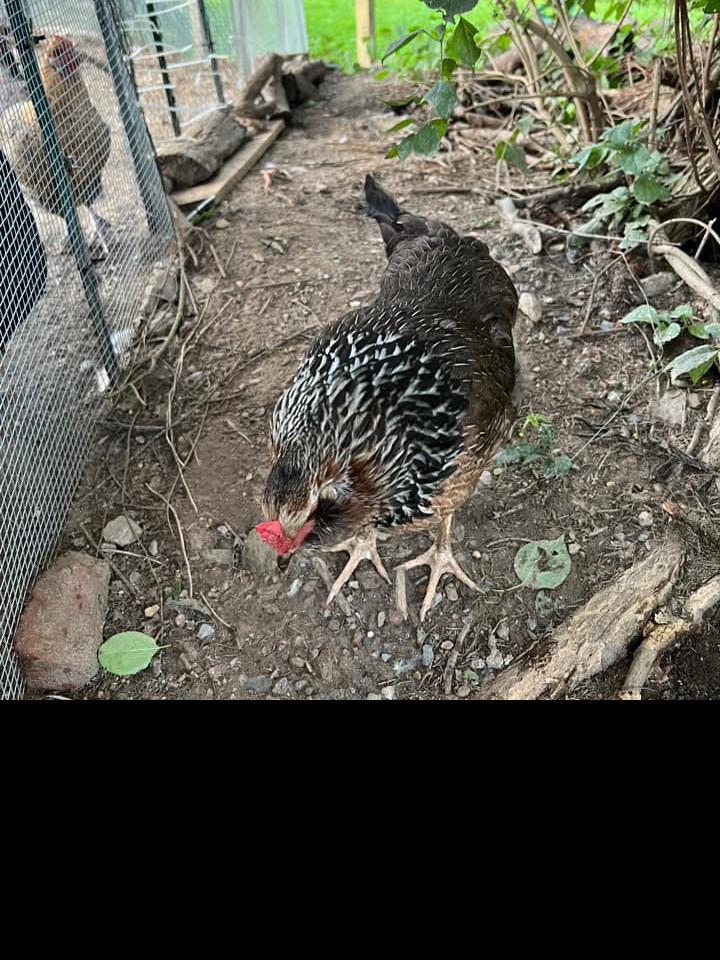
(180, 68)
(83, 224)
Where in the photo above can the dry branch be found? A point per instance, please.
(661, 636)
(266, 67)
(598, 634)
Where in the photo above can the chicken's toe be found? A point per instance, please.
(363, 546)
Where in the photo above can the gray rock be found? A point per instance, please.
(122, 531)
(222, 556)
(153, 548)
(259, 557)
(428, 655)
(205, 631)
(186, 604)
(259, 684)
(61, 627)
(670, 407)
(658, 283)
(645, 518)
(282, 687)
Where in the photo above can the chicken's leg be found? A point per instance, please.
(440, 559)
(363, 546)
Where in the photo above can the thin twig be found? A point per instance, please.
(99, 553)
(181, 535)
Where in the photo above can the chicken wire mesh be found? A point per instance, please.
(189, 56)
(83, 224)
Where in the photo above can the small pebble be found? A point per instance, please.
(463, 690)
(645, 518)
(205, 631)
(381, 619)
(476, 554)
(388, 693)
(282, 687)
(297, 662)
(151, 611)
(153, 548)
(574, 548)
(222, 223)
(395, 618)
(486, 478)
(428, 655)
(447, 645)
(451, 593)
(373, 696)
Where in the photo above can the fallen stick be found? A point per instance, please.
(265, 69)
(596, 636)
(530, 234)
(660, 636)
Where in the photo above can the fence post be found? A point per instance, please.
(210, 49)
(20, 27)
(162, 63)
(365, 32)
(139, 141)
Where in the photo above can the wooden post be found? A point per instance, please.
(365, 32)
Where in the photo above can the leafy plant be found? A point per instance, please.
(538, 437)
(127, 653)
(667, 326)
(456, 46)
(543, 564)
(622, 148)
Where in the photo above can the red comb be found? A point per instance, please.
(272, 532)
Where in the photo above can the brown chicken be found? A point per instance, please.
(398, 407)
(84, 136)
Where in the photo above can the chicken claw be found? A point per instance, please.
(439, 557)
(363, 546)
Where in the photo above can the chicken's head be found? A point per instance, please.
(62, 55)
(302, 505)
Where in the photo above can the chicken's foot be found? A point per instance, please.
(440, 559)
(363, 546)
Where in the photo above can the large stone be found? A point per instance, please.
(62, 626)
(122, 531)
(258, 557)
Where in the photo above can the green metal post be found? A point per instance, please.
(210, 50)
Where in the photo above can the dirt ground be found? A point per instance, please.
(283, 264)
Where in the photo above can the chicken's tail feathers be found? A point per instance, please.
(380, 205)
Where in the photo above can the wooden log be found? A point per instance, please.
(301, 79)
(232, 171)
(598, 634)
(266, 67)
(201, 151)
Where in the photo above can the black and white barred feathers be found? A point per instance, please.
(393, 399)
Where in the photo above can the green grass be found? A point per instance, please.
(331, 27)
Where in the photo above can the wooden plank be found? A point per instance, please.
(365, 32)
(232, 171)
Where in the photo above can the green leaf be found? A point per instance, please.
(713, 329)
(699, 330)
(406, 147)
(126, 653)
(647, 189)
(400, 125)
(691, 360)
(500, 43)
(699, 372)
(400, 43)
(512, 153)
(543, 564)
(619, 136)
(559, 466)
(544, 604)
(642, 314)
(447, 68)
(591, 156)
(402, 101)
(683, 312)
(635, 159)
(392, 152)
(667, 332)
(443, 97)
(524, 124)
(451, 8)
(712, 6)
(427, 139)
(381, 74)
(469, 674)
(461, 45)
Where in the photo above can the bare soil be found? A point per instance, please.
(293, 259)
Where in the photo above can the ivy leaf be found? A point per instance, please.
(400, 125)
(427, 139)
(443, 97)
(512, 153)
(647, 189)
(406, 147)
(699, 330)
(543, 564)
(635, 159)
(618, 137)
(461, 45)
(642, 314)
(447, 67)
(451, 8)
(693, 360)
(683, 312)
(590, 156)
(126, 653)
(400, 43)
(667, 332)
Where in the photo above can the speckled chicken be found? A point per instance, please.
(397, 407)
